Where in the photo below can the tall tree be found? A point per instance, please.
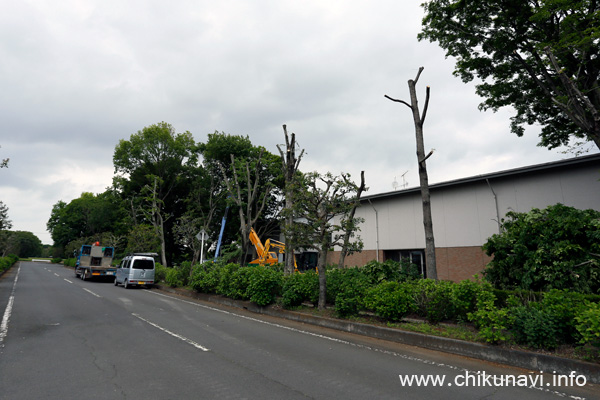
(290, 165)
(323, 203)
(155, 165)
(542, 57)
(5, 225)
(419, 119)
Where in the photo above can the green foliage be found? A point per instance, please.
(69, 262)
(391, 270)
(433, 299)
(346, 288)
(545, 249)
(535, 326)
(178, 276)
(160, 273)
(492, 322)
(8, 261)
(506, 44)
(300, 287)
(465, 295)
(390, 300)
(588, 324)
(265, 283)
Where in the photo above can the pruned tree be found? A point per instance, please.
(154, 213)
(290, 168)
(419, 119)
(246, 192)
(323, 204)
(349, 222)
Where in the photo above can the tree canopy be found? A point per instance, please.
(554, 248)
(540, 57)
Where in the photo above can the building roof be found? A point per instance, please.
(589, 159)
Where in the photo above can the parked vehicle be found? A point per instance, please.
(135, 270)
(94, 261)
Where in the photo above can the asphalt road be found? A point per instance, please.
(63, 338)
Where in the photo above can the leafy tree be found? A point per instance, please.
(554, 248)
(541, 57)
(154, 168)
(324, 204)
(5, 223)
(25, 244)
(89, 215)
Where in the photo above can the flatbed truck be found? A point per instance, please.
(95, 261)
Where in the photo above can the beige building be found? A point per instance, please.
(466, 212)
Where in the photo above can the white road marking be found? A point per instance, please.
(56, 274)
(189, 341)
(67, 280)
(89, 291)
(8, 310)
(357, 345)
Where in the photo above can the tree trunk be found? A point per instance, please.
(424, 182)
(290, 166)
(322, 277)
(419, 119)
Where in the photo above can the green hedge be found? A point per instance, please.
(7, 262)
(534, 319)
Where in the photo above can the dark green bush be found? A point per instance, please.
(433, 299)
(346, 289)
(389, 300)
(546, 249)
(588, 324)
(390, 270)
(535, 326)
(8, 261)
(300, 287)
(464, 297)
(160, 273)
(178, 276)
(265, 284)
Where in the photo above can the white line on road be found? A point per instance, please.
(89, 291)
(67, 280)
(8, 310)
(56, 274)
(189, 341)
(392, 353)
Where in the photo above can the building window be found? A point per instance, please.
(416, 256)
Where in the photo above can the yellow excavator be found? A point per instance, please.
(265, 255)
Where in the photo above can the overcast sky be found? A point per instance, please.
(77, 76)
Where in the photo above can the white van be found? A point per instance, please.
(136, 269)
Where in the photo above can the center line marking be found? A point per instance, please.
(189, 341)
(89, 291)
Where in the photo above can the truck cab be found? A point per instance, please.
(136, 269)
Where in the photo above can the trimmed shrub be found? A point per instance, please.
(265, 284)
(300, 287)
(8, 261)
(588, 324)
(433, 299)
(389, 300)
(492, 322)
(464, 297)
(160, 272)
(178, 276)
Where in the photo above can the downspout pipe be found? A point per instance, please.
(496, 203)
(376, 229)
